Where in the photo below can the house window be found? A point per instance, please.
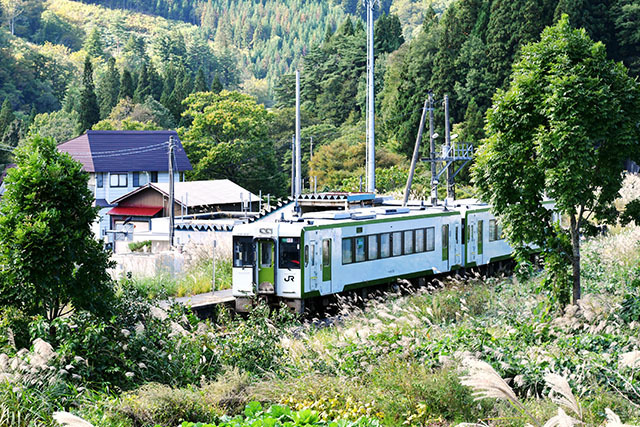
(154, 176)
(118, 180)
(139, 179)
(99, 180)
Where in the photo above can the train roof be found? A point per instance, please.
(386, 210)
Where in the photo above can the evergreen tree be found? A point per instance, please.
(89, 111)
(387, 34)
(200, 84)
(143, 89)
(109, 89)
(6, 116)
(126, 85)
(168, 84)
(216, 85)
(155, 82)
(93, 44)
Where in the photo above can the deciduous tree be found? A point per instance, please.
(50, 261)
(563, 129)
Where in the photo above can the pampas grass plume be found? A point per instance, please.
(66, 419)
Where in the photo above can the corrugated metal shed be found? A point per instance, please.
(200, 193)
(125, 151)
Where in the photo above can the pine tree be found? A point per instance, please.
(6, 116)
(216, 85)
(89, 111)
(144, 86)
(200, 85)
(93, 44)
(126, 85)
(109, 89)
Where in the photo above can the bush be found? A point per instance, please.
(139, 246)
(14, 330)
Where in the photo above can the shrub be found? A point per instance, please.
(139, 246)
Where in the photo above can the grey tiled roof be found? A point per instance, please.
(125, 151)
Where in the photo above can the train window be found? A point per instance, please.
(408, 242)
(289, 252)
(313, 254)
(306, 255)
(420, 240)
(480, 237)
(445, 242)
(372, 246)
(265, 254)
(361, 253)
(347, 251)
(396, 243)
(243, 252)
(495, 231)
(431, 239)
(385, 245)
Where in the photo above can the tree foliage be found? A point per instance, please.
(563, 129)
(51, 262)
(228, 139)
(89, 111)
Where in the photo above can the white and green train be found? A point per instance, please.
(295, 259)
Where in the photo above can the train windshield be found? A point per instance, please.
(289, 252)
(243, 252)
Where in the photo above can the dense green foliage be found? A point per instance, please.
(562, 130)
(467, 53)
(51, 263)
(280, 416)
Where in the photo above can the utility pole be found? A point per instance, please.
(416, 152)
(171, 193)
(213, 263)
(432, 148)
(293, 166)
(371, 139)
(449, 154)
(298, 153)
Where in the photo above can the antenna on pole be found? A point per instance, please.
(371, 142)
(451, 153)
(171, 193)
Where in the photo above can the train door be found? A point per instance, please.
(472, 242)
(266, 266)
(314, 267)
(459, 243)
(445, 246)
(326, 266)
(480, 237)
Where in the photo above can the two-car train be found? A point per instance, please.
(295, 258)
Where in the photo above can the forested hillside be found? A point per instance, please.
(144, 67)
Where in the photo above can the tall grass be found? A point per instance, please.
(196, 279)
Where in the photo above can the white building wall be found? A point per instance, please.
(109, 193)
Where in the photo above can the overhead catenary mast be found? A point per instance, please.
(371, 151)
(298, 149)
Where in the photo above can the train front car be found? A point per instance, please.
(266, 263)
